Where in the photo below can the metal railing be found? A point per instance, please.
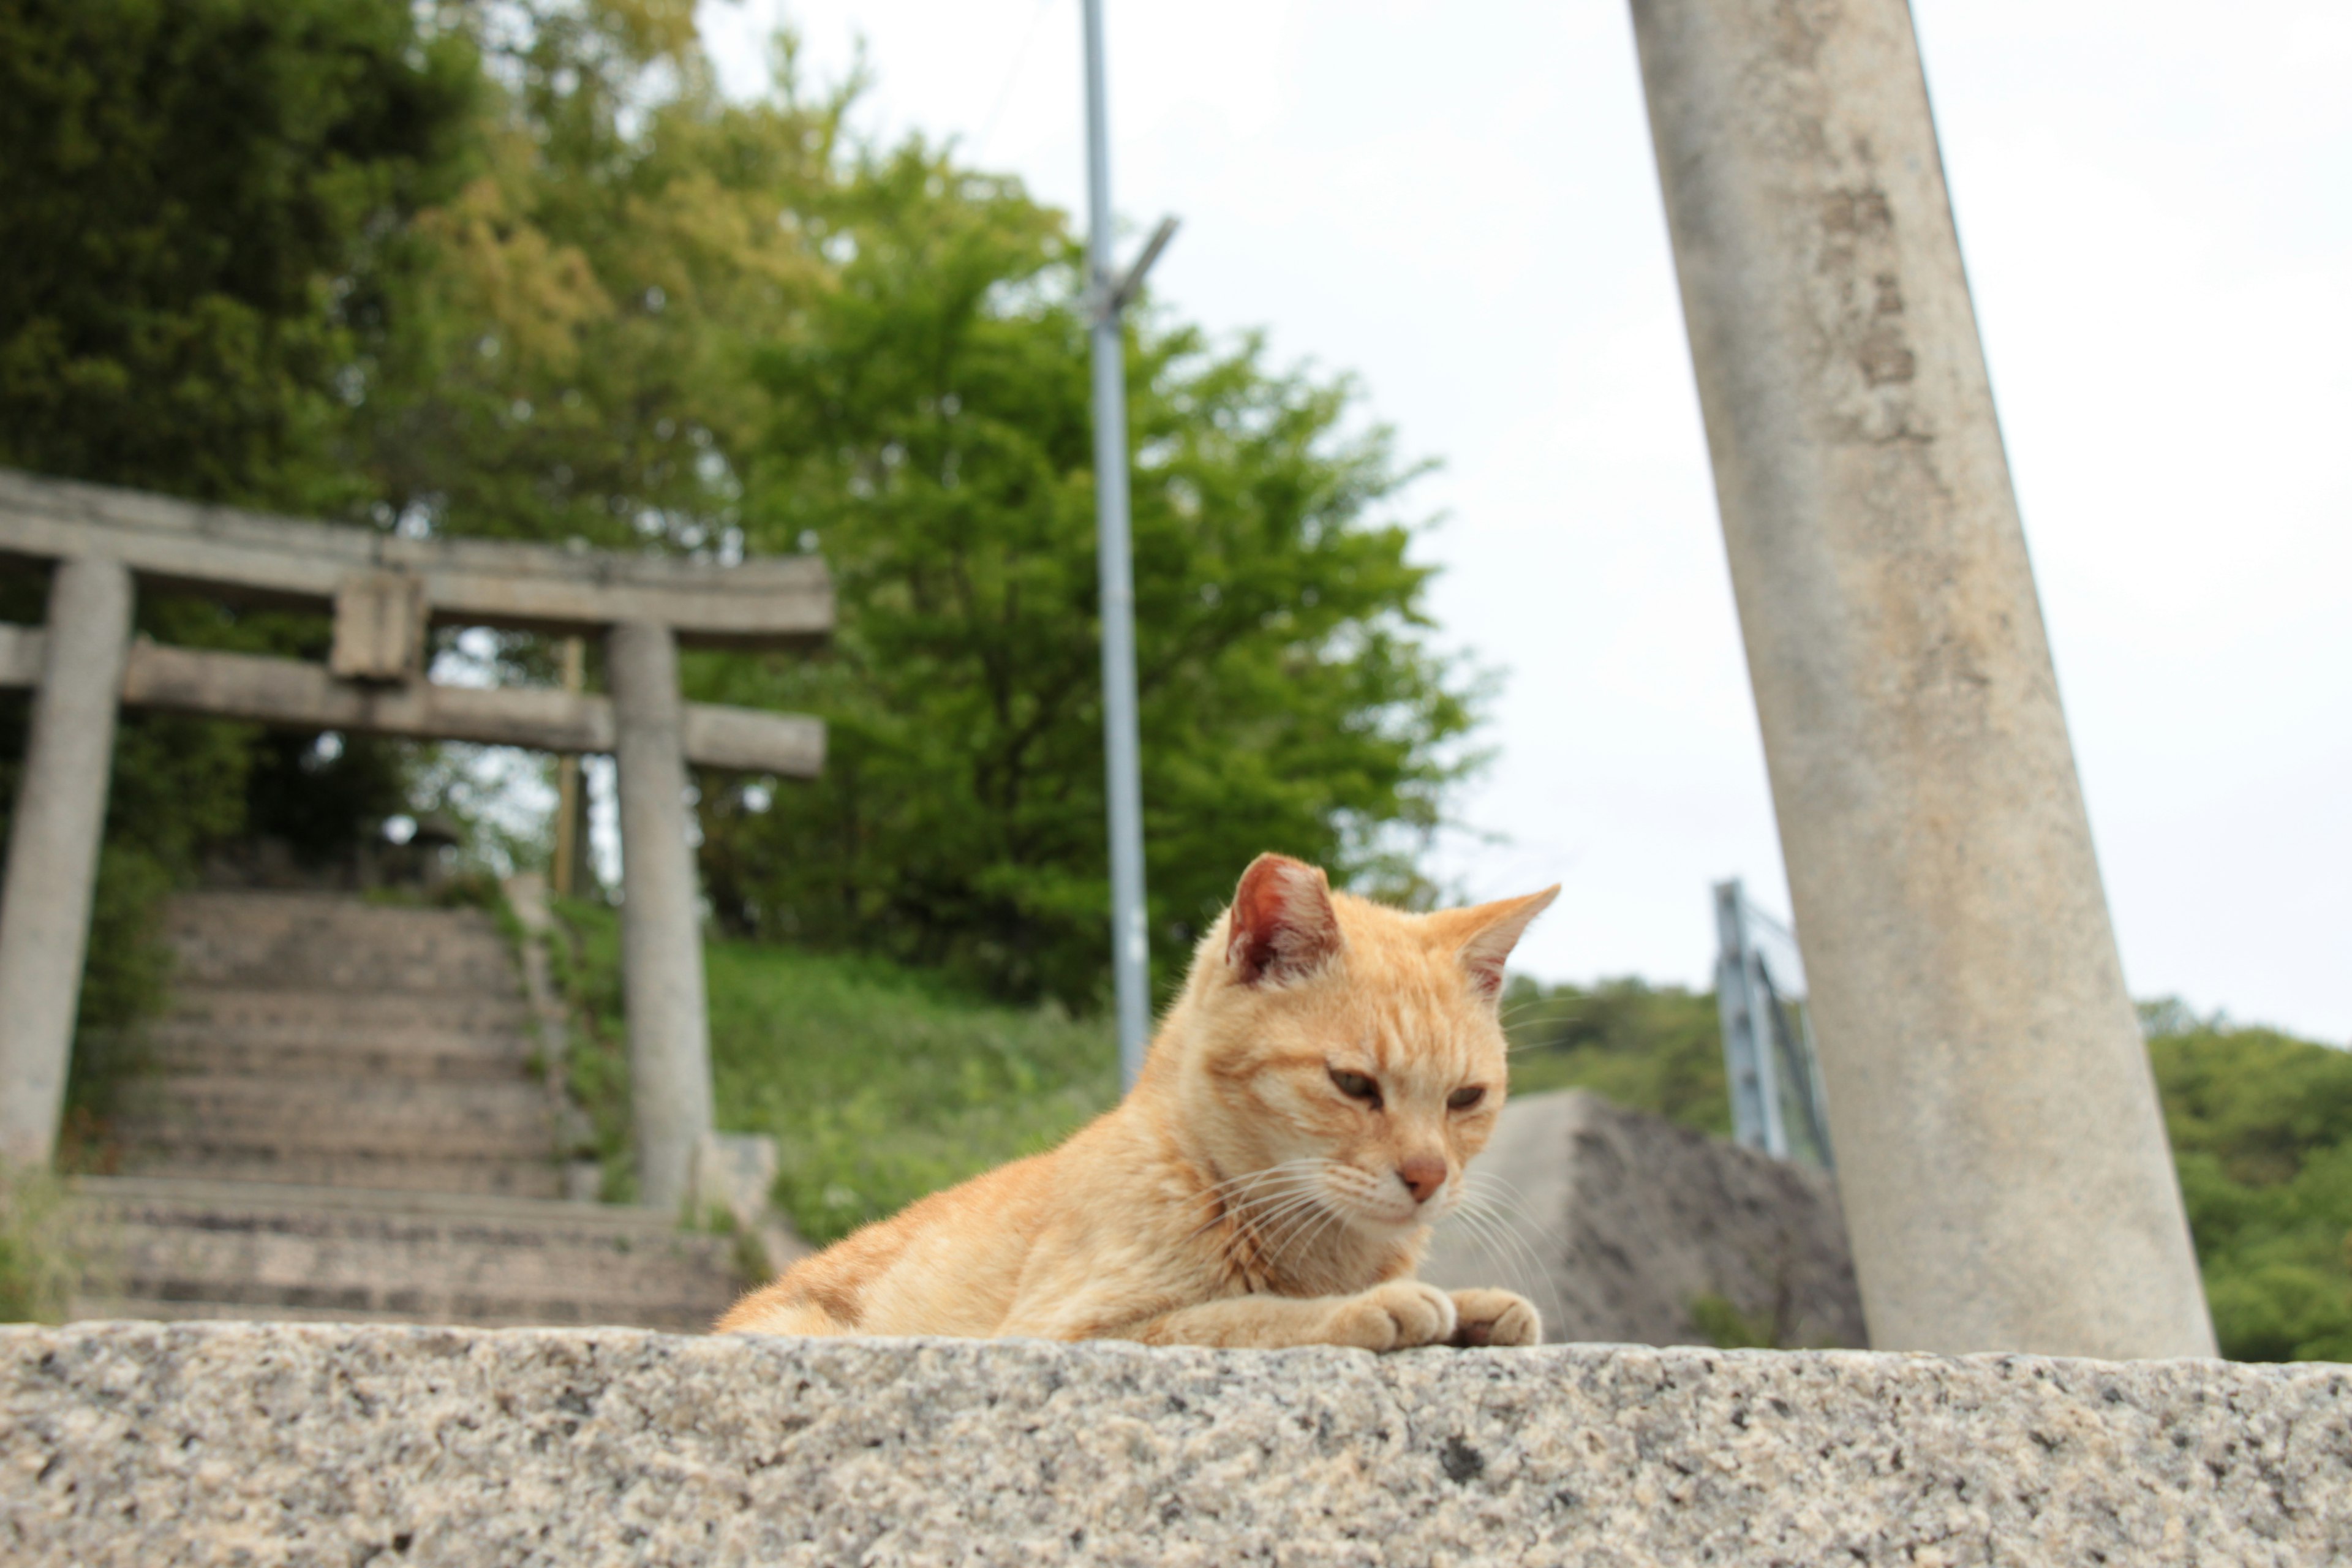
(1776, 1104)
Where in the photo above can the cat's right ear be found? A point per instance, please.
(1283, 925)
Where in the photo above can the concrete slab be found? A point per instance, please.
(150, 1444)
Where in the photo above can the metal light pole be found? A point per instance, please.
(1107, 298)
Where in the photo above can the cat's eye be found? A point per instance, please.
(1463, 1098)
(1355, 1086)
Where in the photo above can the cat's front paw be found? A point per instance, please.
(1393, 1317)
(1494, 1318)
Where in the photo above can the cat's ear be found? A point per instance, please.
(1493, 931)
(1282, 923)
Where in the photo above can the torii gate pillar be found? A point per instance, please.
(2002, 1156)
(661, 940)
(53, 848)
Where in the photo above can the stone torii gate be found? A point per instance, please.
(384, 594)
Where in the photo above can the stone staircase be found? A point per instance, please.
(339, 1119)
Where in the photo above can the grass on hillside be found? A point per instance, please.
(879, 1083)
(40, 1254)
(1654, 1048)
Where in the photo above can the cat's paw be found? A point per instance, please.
(1494, 1318)
(1393, 1317)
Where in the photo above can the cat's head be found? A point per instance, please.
(1349, 1051)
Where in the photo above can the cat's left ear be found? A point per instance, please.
(1494, 930)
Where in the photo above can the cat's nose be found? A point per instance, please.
(1422, 1175)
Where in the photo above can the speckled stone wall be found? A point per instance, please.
(146, 1444)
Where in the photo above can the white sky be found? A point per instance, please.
(1457, 203)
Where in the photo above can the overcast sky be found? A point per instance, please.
(1457, 203)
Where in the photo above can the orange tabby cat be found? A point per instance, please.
(1305, 1114)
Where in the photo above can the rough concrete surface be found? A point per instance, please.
(1618, 1223)
(150, 1444)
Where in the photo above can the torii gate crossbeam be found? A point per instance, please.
(383, 591)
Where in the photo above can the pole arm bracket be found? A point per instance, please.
(1112, 303)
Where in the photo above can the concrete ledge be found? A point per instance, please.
(148, 1443)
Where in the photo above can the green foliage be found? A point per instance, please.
(571, 355)
(1727, 1328)
(192, 202)
(201, 202)
(1653, 1048)
(520, 270)
(932, 432)
(2261, 1133)
(585, 959)
(40, 1256)
(879, 1083)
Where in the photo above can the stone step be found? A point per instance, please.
(313, 941)
(497, 1176)
(237, 919)
(512, 1120)
(464, 972)
(287, 1050)
(245, 924)
(350, 1009)
(183, 1250)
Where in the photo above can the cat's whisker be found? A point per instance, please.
(1504, 1267)
(1240, 1188)
(1266, 1221)
(1535, 1283)
(1493, 1185)
(1277, 1243)
(1255, 1212)
(1282, 1168)
(1510, 1220)
(1484, 1218)
(1248, 1216)
(1507, 1268)
(1301, 1239)
(1291, 1216)
(1235, 1199)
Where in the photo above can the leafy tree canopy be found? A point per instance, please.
(517, 270)
(202, 204)
(197, 202)
(931, 429)
(2261, 1133)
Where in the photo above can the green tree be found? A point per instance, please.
(201, 202)
(2261, 1125)
(196, 202)
(572, 356)
(933, 434)
(517, 269)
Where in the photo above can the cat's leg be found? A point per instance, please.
(1392, 1316)
(1494, 1318)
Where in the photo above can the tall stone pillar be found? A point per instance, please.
(661, 942)
(53, 848)
(2003, 1160)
